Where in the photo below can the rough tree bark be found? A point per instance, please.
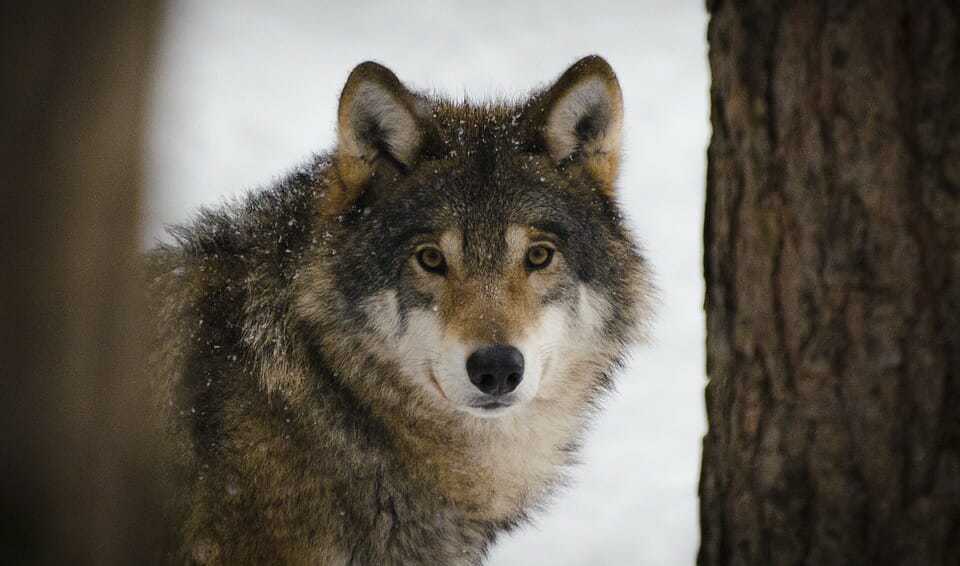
(832, 265)
(77, 484)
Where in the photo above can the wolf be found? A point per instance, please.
(390, 355)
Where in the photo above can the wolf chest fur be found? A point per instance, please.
(389, 356)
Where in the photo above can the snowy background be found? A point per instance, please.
(247, 90)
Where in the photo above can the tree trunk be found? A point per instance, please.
(832, 265)
(77, 485)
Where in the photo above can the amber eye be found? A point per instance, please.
(431, 259)
(539, 256)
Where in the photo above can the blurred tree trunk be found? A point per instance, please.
(77, 480)
(832, 265)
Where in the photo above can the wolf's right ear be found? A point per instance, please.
(377, 123)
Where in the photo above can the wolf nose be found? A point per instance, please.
(496, 370)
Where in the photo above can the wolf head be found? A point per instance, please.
(479, 249)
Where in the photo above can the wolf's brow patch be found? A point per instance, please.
(553, 227)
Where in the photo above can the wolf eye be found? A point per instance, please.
(431, 259)
(538, 257)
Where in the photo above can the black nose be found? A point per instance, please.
(496, 370)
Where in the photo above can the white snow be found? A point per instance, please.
(247, 90)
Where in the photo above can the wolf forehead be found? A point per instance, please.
(479, 195)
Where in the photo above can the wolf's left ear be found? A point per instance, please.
(580, 118)
(377, 125)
